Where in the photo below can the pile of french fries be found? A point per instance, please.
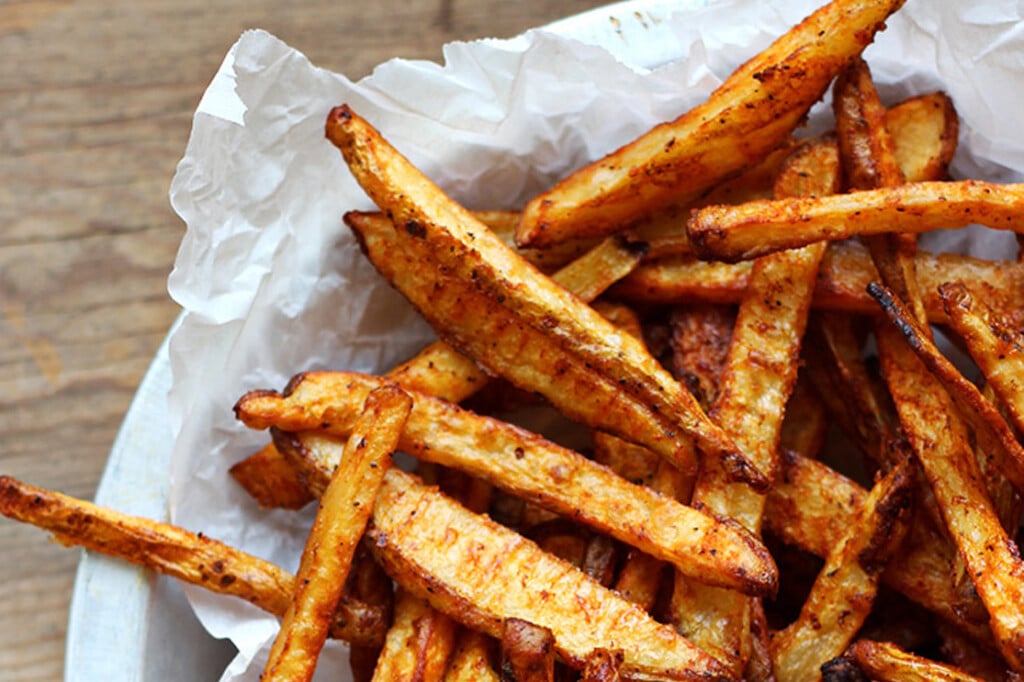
(700, 303)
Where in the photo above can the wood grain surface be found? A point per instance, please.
(96, 99)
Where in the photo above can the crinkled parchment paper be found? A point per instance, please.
(272, 283)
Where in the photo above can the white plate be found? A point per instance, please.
(127, 624)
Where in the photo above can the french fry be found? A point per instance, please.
(844, 592)
(886, 662)
(271, 480)
(527, 652)
(700, 344)
(344, 511)
(756, 382)
(602, 666)
(744, 119)
(992, 431)
(842, 283)
(418, 644)
(756, 228)
(490, 304)
(521, 462)
(811, 506)
(471, 659)
(480, 573)
(997, 349)
(190, 557)
(924, 131)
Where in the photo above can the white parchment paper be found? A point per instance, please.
(271, 281)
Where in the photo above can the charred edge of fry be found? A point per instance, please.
(891, 514)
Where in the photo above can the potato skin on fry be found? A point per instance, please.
(743, 120)
(481, 573)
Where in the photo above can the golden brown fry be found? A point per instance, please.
(490, 304)
(924, 131)
(997, 349)
(526, 464)
(271, 481)
(756, 382)
(756, 228)
(811, 507)
(178, 553)
(481, 573)
(344, 511)
(700, 344)
(842, 283)
(805, 424)
(886, 662)
(941, 444)
(744, 119)
(602, 666)
(527, 652)
(844, 592)
(992, 431)
(471, 659)
(418, 643)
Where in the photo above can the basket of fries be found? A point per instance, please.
(666, 355)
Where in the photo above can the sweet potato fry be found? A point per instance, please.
(527, 652)
(480, 573)
(842, 283)
(844, 592)
(490, 304)
(997, 349)
(757, 379)
(418, 643)
(887, 662)
(743, 120)
(526, 464)
(756, 228)
(178, 553)
(992, 431)
(344, 511)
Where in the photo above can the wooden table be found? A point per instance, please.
(96, 99)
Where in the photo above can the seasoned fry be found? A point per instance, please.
(271, 480)
(178, 553)
(744, 119)
(997, 349)
(526, 464)
(756, 382)
(490, 304)
(994, 434)
(527, 652)
(924, 133)
(471, 659)
(418, 643)
(344, 511)
(602, 666)
(844, 592)
(886, 662)
(756, 228)
(481, 573)
(842, 282)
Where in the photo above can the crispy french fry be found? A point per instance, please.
(526, 464)
(344, 511)
(756, 228)
(997, 349)
(471, 659)
(757, 379)
(886, 662)
(844, 592)
(527, 652)
(466, 566)
(805, 424)
(700, 343)
(811, 506)
(602, 666)
(992, 431)
(743, 120)
(489, 303)
(418, 644)
(271, 480)
(941, 445)
(178, 553)
(924, 131)
(842, 283)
